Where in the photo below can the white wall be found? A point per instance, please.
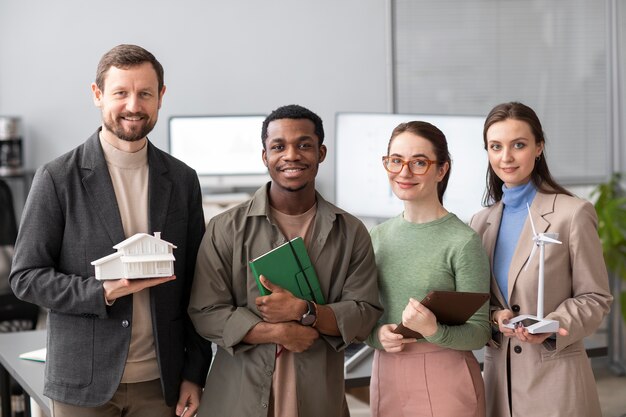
(220, 57)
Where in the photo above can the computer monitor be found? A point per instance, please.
(218, 145)
(225, 151)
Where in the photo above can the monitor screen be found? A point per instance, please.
(218, 145)
(362, 186)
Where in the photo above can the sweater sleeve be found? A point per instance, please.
(471, 267)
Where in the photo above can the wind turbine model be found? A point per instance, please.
(537, 324)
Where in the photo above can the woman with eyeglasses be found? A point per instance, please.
(541, 374)
(422, 249)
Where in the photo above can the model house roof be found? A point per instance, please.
(141, 236)
(107, 258)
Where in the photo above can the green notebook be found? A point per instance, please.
(289, 266)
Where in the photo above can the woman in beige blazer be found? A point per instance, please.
(541, 374)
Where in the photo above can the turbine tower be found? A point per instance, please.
(537, 324)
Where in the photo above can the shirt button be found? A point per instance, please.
(268, 373)
(125, 323)
(517, 349)
(515, 308)
(264, 405)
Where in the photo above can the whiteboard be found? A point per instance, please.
(362, 187)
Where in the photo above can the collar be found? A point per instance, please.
(260, 204)
(516, 198)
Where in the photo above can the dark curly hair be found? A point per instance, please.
(294, 111)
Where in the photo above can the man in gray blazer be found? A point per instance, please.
(115, 347)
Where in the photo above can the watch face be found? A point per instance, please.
(308, 319)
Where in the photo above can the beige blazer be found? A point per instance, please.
(553, 379)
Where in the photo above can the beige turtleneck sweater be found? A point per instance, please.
(129, 174)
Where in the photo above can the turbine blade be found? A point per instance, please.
(552, 235)
(530, 258)
(548, 239)
(530, 217)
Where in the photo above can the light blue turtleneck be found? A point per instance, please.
(513, 218)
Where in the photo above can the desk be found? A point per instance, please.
(29, 374)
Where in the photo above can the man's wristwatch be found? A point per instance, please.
(310, 317)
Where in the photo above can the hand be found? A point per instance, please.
(280, 306)
(502, 317)
(188, 399)
(392, 342)
(523, 335)
(296, 337)
(116, 288)
(419, 318)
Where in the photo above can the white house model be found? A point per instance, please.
(139, 256)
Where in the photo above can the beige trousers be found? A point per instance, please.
(141, 399)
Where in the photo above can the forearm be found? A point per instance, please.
(212, 304)
(472, 335)
(326, 321)
(48, 265)
(358, 308)
(583, 307)
(581, 316)
(264, 332)
(468, 336)
(70, 294)
(293, 336)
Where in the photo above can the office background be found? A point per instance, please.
(234, 57)
(565, 58)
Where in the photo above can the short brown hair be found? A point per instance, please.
(127, 56)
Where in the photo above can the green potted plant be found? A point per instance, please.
(611, 209)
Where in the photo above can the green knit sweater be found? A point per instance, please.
(414, 259)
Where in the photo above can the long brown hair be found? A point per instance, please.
(541, 177)
(436, 137)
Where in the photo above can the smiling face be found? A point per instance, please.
(292, 155)
(129, 103)
(406, 185)
(512, 151)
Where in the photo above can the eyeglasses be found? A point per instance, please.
(418, 166)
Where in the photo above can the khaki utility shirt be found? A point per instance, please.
(223, 309)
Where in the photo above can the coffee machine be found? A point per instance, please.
(11, 151)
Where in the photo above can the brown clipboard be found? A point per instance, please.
(450, 307)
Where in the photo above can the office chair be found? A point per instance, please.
(8, 222)
(15, 314)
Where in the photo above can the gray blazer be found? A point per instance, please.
(71, 218)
